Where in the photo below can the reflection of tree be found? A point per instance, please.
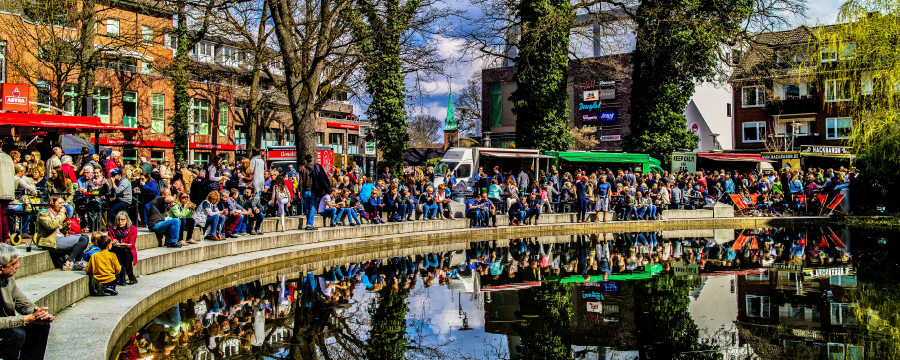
(876, 294)
(665, 327)
(387, 338)
(547, 311)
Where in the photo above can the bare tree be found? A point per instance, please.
(468, 107)
(584, 138)
(424, 130)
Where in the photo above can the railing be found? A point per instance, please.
(806, 105)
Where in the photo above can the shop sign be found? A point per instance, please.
(684, 161)
(686, 269)
(590, 118)
(591, 95)
(325, 158)
(15, 97)
(817, 149)
(370, 148)
(589, 128)
(780, 155)
(136, 142)
(205, 146)
(272, 155)
(592, 294)
(606, 83)
(594, 307)
(611, 138)
(589, 85)
(607, 94)
(343, 126)
(589, 107)
(608, 116)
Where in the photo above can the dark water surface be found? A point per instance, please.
(800, 293)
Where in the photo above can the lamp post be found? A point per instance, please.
(715, 142)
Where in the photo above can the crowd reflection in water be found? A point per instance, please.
(296, 315)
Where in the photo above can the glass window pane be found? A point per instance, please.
(223, 118)
(158, 113)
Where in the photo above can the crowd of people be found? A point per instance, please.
(58, 202)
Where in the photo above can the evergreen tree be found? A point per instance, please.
(387, 338)
(547, 311)
(677, 42)
(541, 100)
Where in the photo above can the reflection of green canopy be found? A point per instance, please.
(647, 162)
(648, 272)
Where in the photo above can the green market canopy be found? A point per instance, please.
(646, 161)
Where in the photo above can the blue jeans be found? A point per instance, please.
(186, 225)
(640, 211)
(582, 208)
(534, 213)
(351, 213)
(241, 226)
(406, 211)
(652, 211)
(518, 215)
(477, 216)
(145, 212)
(212, 225)
(172, 226)
(310, 203)
(335, 214)
(433, 208)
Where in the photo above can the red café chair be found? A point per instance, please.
(835, 203)
(801, 200)
(742, 208)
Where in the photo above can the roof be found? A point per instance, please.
(759, 62)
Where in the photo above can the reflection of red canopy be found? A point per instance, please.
(65, 124)
(734, 157)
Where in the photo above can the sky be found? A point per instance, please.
(437, 93)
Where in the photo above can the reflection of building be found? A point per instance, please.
(804, 311)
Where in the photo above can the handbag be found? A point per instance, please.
(419, 205)
(200, 215)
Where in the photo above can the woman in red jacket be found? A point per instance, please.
(124, 236)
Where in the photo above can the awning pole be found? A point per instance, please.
(97, 142)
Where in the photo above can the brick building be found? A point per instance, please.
(132, 89)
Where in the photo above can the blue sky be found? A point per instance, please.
(435, 102)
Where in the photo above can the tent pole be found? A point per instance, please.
(97, 142)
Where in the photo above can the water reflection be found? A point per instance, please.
(734, 294)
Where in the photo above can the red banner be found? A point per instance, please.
(325, 158)
(166, 144)
(343, 126)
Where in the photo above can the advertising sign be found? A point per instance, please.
(370, 148)
(343, 126)
(611, 138)
(608, 116)
(816, 149)
(594, 307)
(589, 107)
(684, 161)
(15, 97)
(607, 94)
(686, 269)
(591, 95)
(590, 118)
(325, 158)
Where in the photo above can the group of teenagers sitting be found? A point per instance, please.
(483, 212)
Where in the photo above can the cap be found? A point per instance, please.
(115, 172)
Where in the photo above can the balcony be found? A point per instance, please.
(794, 106)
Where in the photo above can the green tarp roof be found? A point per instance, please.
(575, 156)
(648, 272)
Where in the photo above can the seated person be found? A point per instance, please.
(251, 202)
(517, 212)
(490, 210)
(157, 223)
(104, 266)
(24, 328)
(535, 209)
(475, 212)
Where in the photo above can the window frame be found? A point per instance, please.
(760, 94)
(338, 147)
(103, 95)
(146, 35)
(224, 107)
(757, 127)
(832, 123)
(113, 23)
(496, 105)
(833, 84)
(199, 107)
(157, 115)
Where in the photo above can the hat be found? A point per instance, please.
(115, 172)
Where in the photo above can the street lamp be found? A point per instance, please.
(714, 136)
(465, 326)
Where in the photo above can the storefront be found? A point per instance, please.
(133, 149)
(812, 156)
(586, 160)
(742, 162)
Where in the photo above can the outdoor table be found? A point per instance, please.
(95, 216)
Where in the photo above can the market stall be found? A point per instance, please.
(594, 160)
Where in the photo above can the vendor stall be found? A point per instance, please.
(743, 162)
(640, 162)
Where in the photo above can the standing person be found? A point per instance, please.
(604, 193)
(581, 195)
(183, 211)
(522, 181)
(85, 157)
(122, 192)
(24, 328)
(124, 235)
(157, 222)
(386, 175)
(55, 159)
(214, 174)
(310, 203)
(146, 166)
(48, 235)
(281, 196)
(258, 170)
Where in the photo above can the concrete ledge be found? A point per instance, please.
(55, 289)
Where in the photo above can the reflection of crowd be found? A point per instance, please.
(778, 247)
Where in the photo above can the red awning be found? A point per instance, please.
(66, 124)
(734, 157)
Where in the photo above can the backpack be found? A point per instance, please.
(321, 184)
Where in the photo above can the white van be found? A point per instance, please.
(465, 161)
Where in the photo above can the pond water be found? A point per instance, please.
(800, 293)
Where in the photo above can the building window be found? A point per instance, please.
(224, 157)
(2, 61)
(828, 53)
(757, 306)
(146, 67)
(320, 139)
(129, 108)
(753, 96)
(147, 35)
(337, 142)
(199, 116)
(69, 95)
(837, 90)
(102, 95)
(158, 113)
(157, 156)
(352, 144)
(867, 82)
(843, 314)
(201, 158)
(838, 128)
(112, 27)
(728, 110)
(755, 132)
(223, 118)
(129, 155)
(791, 92)
(240, 136)
(496, 105)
